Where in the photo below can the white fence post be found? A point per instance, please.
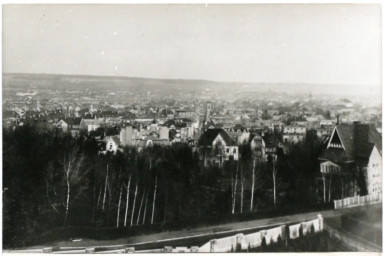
(357, 201)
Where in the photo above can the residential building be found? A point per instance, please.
(112, 143)
(216, 146)
(354, 152)
(294, 133)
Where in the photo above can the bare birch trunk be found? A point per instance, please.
(253, 185)
(67, 202)
(106, 181)
(235, 189)
(110, 194)
(324, 187)
(135, 198)
(205, 156)
(329, 189)
(127, 200)
(166, 203)
(144, 211)
(274, 191)
(341, 181)
(242, 190)
(99, 197)
(274, 182)
(154, 197)
(119, 206)
(93, 203)
(232, 188)
(140, 208)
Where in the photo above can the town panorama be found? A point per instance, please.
(193, 128)
(153, 155)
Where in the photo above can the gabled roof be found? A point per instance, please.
(209, 135)
(89, 121)
(72, 121)
(367, 137)
(238, 127)
(271, 141)
(114, 138)
(358, 141)
(346, 135)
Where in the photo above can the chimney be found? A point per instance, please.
(337, 120)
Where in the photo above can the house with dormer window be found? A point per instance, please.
(112, 143)
(216, 147)
(354, 154)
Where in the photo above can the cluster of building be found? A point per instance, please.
(214, 124)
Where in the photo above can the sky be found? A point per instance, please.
(335, 44)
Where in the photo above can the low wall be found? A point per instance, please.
(226, 244)
(251, 240)
(254, 240)
(305, 228)
(205, 247)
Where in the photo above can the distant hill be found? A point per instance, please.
(14, 81)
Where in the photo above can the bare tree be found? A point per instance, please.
(253, 183)
(235, 189)
(275, 179)
(144, 211)
(119, 206)
(324, 186)
(127, 199)
(241, 189)
(154, 197)
(140, 207)
(135, 198)
(106, 184)
(74, 176)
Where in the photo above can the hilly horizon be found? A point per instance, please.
(23, 80)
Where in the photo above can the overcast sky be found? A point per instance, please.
(254, 43)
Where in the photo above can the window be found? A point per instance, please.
(227, 150)
(234, 151)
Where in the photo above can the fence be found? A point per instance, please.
(357, 201)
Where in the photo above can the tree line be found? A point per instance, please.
(52, 180)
